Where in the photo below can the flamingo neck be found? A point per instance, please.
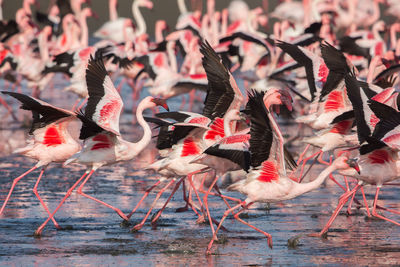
(281, 141)
(171, 56)
(141, 24)
(27, 8)
(84, 41)
(182, 7)
(44, 51)
(112, 6)
(146, 138)
(302, 188)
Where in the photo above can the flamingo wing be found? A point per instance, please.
(104, 104)
(220, 93)
(43, 113)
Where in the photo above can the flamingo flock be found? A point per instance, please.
(330, 67)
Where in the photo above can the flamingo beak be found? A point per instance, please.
(161, 102)
(353, 164)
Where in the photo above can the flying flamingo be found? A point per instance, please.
(51, 140)
(103, 144)
(266, 180)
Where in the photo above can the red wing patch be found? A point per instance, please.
(236, 139)
(391, 138)
(268, 172)
(378, 49)
(199, 120)
(64, 39)
(379, 156)
(103, 142)
(217, 129)
(108, 111)
(52, 137)
(341, 127)
(198, 76)
(373, 120)
(189, 148)
(334, 101)
(3, 54)
(323, 72)
(159, 60)
(85, 53)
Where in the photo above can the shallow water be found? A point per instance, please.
(94, 236)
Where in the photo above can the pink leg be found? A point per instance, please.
(205, 201)
(13, 185)
(123, 81)
(79, 191)
(10, 111)
(336, 182)
(185, 198)
(183, 103)
(350, 203)
(201, 217)
(235, 67)
(144, 196)
(192, 96)
(374, 213)
(365, 201)
(269, 237)
(166, 202)
(304, 164)
(140, 225)
(38, 231)
(226, 213)
(41, 201)
(302, 154)
(320, 160)
(342, 201)
(75, 104)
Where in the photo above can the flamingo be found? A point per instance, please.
(266, 180)
(51, 141)
(100, 130)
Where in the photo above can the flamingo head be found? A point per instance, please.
(278, 97)
(146, 3)
(159, 102)
(346, 164)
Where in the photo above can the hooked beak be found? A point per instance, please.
(353, 163)
(161, 102)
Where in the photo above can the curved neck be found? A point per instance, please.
(84, 31)
(302, 188)
(27, 7)
(112, 6)
(281, 141)
(146, 138)
(182, 7)
(141, 24)
(44, 51)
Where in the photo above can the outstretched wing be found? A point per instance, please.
(104, 104)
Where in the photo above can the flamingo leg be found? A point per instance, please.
(154, 220)
(38, 231)
(147, 192)
(320, 160)
(269, 237)
(350, 203)
(374, 213)
(304, 164)
(79, 191)
(226, 213)
(9, 109)
(40, 199)
(201, 217)
(336, 182)
(14, 183)
(82, 104)
(342, 201)
(139, 226)
(205, 201)
(365, 201)
(185, 198)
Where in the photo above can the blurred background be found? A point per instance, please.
(163, 9)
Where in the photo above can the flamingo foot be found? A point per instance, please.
(136, 228)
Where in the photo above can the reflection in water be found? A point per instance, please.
(93, 235)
